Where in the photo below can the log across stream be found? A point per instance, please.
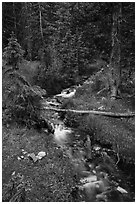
(95, 166)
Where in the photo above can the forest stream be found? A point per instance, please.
(100, 173)
(62, 162)
(68, 102)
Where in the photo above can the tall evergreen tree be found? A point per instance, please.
(13, 53)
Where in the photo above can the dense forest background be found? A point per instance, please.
(49, 46)
(68, 37)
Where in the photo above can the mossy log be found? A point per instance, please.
(103, 113)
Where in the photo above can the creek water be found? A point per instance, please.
(99, 176)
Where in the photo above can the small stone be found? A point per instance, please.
(23, 151)
(96, 148)
(101, 197)
(46, 131)
(33, 157)
(38, 157)
(101, 108)
(121, 190)
(13, 173)
(89, 179)
(41, 154)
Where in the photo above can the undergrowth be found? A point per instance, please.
(49, 179)
(21, 103)
(119, 133)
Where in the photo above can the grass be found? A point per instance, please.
(50, 179)
(119, 133)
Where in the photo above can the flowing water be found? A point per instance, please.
(99, 176)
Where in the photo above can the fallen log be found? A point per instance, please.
(109, 114)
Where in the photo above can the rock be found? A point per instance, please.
(89, 179)
(100, 186)
(13, 173)
(121, 190)
(33, 157)
(41, 155)
(38, 157)
(96, 148)
(101, 108)
(90, 191)
(23, 151)
(66, 93)
(101, 197)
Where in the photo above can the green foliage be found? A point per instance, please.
(68, 103)
(49, 77)
(90, 125)
(78, 32)
(106, 130)
(21, 103)
(13, 53)
(70, 119)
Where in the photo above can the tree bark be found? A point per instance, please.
(15, 22)
(40, 22)
(29, 33)
(115, 70)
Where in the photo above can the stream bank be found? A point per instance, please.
(69, 173)
(97, 160)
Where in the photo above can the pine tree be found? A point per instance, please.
(13, 53)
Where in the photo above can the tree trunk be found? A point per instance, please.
(15, 23)
(115, 70)
(29, 33)
(40, 22)
(103, 113)
(77, 48)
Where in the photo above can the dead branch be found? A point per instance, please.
(104, 89)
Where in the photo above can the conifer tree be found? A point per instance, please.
(13, 53)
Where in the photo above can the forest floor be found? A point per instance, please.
(49, 179)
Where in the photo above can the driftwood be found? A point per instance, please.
(109, 114)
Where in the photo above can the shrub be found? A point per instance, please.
(103, 130)
(70, 119)
(111, 132)
(21, 104)
(68, 103)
